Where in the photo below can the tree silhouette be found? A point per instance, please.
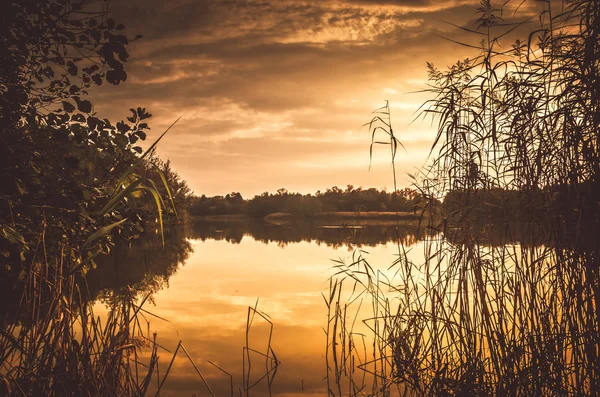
(60, 162)
(53, 51)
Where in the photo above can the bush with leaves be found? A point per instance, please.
(71, 182)
(70, 178)
(61, 162)
(53, 50)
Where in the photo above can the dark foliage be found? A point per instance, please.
(71, 184)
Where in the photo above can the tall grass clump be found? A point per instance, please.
(516, 151)
(59, 347)
(51, 341)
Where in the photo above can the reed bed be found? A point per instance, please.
(470, 318)
(54, 343)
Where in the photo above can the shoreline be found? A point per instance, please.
(282, 217)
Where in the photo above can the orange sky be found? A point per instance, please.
(274, 93)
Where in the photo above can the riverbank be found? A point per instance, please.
(340, 216)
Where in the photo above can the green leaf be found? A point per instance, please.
(68, 107)
(117, 197)
(72, 68)
(11, 235)
(78, 117)
(132, 166)
(157, 200)
(166, 185)
(84, 106)
(102, 232)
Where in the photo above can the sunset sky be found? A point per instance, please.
(274, 93)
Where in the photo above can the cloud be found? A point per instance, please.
(262, 21)
(267, 88)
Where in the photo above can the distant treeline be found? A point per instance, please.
(334, 199)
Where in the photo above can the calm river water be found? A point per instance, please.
(249, 304)
(204, 300)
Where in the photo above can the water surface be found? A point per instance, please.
(442, 310)
(205, 286)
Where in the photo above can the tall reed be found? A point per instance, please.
(54, 344)
(474, 318)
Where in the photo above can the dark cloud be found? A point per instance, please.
(268, 88)
(403, 3)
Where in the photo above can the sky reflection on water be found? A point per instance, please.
(207, 302)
